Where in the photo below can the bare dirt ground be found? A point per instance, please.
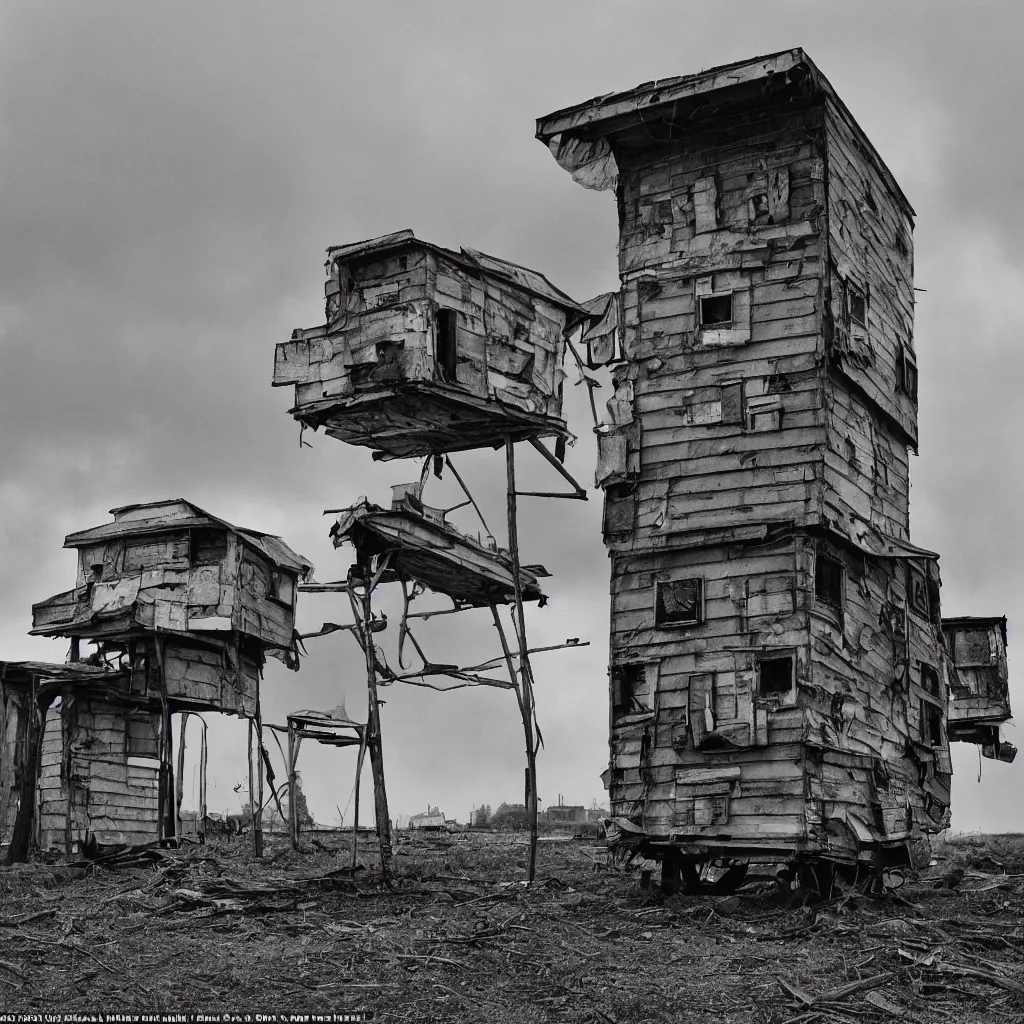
(210, 929)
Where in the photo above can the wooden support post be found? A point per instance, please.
(355, 812)
(257, 812)
(168, 821)
(179, 781)
(257, 844)
(203, 755)
(26, 822)
(293, 775)
(525, 671)
(373, 737)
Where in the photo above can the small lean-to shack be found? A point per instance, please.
(89, 749)
(182, 608)
(427, 350)
(778, 671)
(980, 683)
(27, 688)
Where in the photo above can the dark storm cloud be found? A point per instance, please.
(173, 173)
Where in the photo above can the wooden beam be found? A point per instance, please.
(373, 736)
(581, 492)
(359, 775)
(293, 810)
(525, 672)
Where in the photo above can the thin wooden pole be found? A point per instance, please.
(359, 775)
(166, 804)
(179, 782)
(257, 816)
(252, 792)
(293, 807)
(527, 725)
(525, 671)
(373, 737)
(203, 756)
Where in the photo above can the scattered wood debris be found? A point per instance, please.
(463, 936)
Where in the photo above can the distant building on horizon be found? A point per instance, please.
(431, 819)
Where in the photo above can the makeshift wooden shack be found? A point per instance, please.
(428, 350)
(980, 683)
(183, 608)
(778, 673)
(95, 768)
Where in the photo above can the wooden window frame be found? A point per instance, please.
(922, 611)
(822, 603)
(717, 324)
(762, 405)
(701, 612)
(277, 576)
(906, 373)
(932, 714)
(626, 678)
(854, 290)
(446, 344)
(787, 653)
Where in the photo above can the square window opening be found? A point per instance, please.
(857, 305)
(679, 603)
(627, 682)
(206, 546)
(828, 581)
(446, 351)
(906, 376)
(716, 310)
(282, 588)
(142, 736)
(775, 675)
(931, 724)
(917, 591)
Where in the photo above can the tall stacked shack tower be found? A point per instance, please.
(779, 682)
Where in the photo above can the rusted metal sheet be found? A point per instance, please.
(424, 548)
(427, 350)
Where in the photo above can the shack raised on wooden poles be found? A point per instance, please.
(426, 351)
(182, 608)
(780, 686)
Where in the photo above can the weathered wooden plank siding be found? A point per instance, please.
(261, 614)
(13, 729)
(508, 342)
(753, 604)
(870, 245)
(662, 210)
(866, 468)
(51, 796)
(201, 676)
(868, 694)
(85, 767)
(703, 458)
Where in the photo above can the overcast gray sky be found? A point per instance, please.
(171, 174)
